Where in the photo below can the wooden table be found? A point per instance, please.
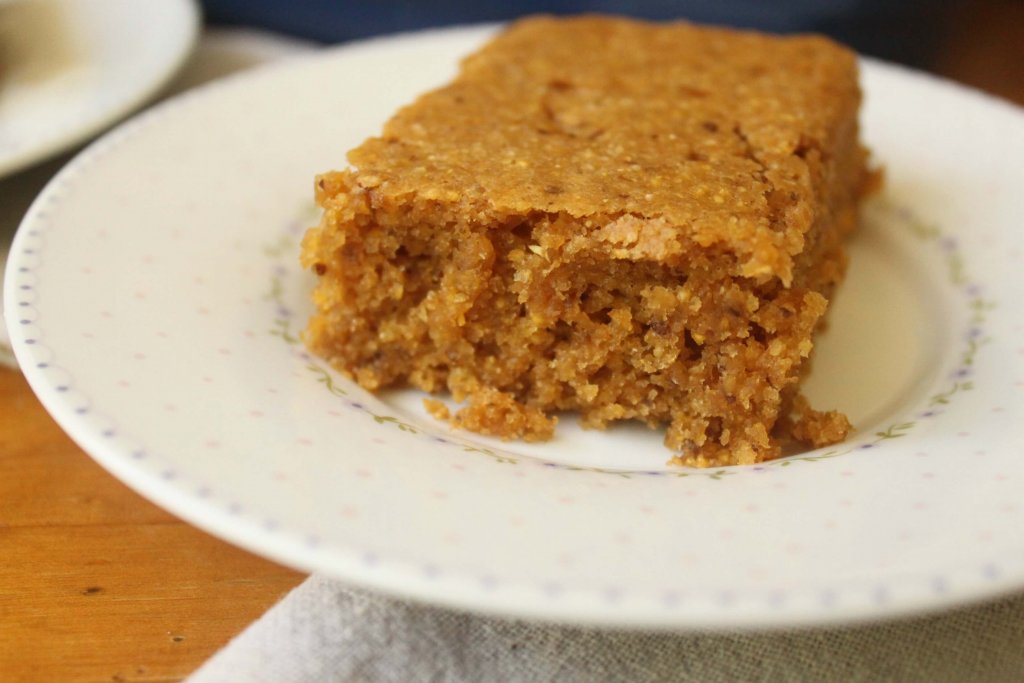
(97, 584)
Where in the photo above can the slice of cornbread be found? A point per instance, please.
(628, 220)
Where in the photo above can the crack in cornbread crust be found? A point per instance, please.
(629, 233)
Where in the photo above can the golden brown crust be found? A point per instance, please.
(712, 130)
(628, 220)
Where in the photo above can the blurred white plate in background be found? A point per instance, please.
(69, 68)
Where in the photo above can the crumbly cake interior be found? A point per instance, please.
(626, 220)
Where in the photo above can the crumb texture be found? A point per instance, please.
(626, 220)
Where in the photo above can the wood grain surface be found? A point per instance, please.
(97, 584)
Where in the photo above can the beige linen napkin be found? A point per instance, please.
(325, 632)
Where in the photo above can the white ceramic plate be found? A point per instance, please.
(154, 301)
(69, 68)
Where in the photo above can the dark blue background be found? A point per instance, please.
(899, 30)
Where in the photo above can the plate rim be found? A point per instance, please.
(247, 534)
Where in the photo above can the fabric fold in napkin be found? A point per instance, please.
(326, 632)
